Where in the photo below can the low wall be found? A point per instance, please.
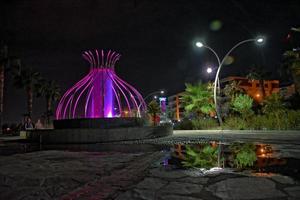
(80, 136)
(98, 123)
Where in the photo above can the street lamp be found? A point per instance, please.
(258, 40)
(209, 69)
(150, 94)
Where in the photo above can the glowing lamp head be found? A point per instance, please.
(162, 92)
(199, 44)
(260, 40)
(209, 70)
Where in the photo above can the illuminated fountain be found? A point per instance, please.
(101, 107)
(101, 93)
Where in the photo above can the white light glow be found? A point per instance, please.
(199, 44)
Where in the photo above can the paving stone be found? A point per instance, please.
(152, 183)
(125, 196)
(283, 179)
(293, 191)
(26, 193)
(197, 180)
(181, 188)
(144, 194)
(177, 197)
(245, 188)
(169, 174)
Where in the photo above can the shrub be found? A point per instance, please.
(293, 119)
(244, 155)
(202, 158)
(204, 123)
(184, 125)
(235, 123)
(242, 104)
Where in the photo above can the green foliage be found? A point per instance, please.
(288, 120)
(236, 123)
(292, 65)
(201, 158)
(153, 110)
(207, 123)
(293, 119)
(233, 89)
(274, 107)
(242, 104)
(184, 124)
(198, 98)
(273, 103)
(244, 154)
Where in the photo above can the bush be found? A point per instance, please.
(183, 125)
(202, 158)
(235, 123)
(293, 119)
(289, 120)
(244, 155)
(204, 123)
(242, 104)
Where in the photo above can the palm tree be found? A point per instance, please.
(26, 79)
(198, 99)
(257, 73)
(153, 110)
(3, 63)
(51, 91)
(292, 64)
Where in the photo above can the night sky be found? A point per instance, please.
(156, 39)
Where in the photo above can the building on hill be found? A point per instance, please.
(252, 87)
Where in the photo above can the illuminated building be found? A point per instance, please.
(175, 107)
(252, 87)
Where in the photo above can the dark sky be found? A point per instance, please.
(156, 39)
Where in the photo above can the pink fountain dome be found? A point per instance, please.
(101, 93)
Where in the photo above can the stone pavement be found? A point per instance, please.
(87, 175)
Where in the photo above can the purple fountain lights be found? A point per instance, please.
(101, 93)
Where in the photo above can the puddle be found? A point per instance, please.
(259, 159)
(269, 158)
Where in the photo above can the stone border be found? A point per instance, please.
(93, 135)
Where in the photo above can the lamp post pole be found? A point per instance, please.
(217, 82)
(259, 40)
(147, 96)
(200, 45)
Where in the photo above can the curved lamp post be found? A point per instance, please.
(209, 70)
(147, 96)
(258, 40)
